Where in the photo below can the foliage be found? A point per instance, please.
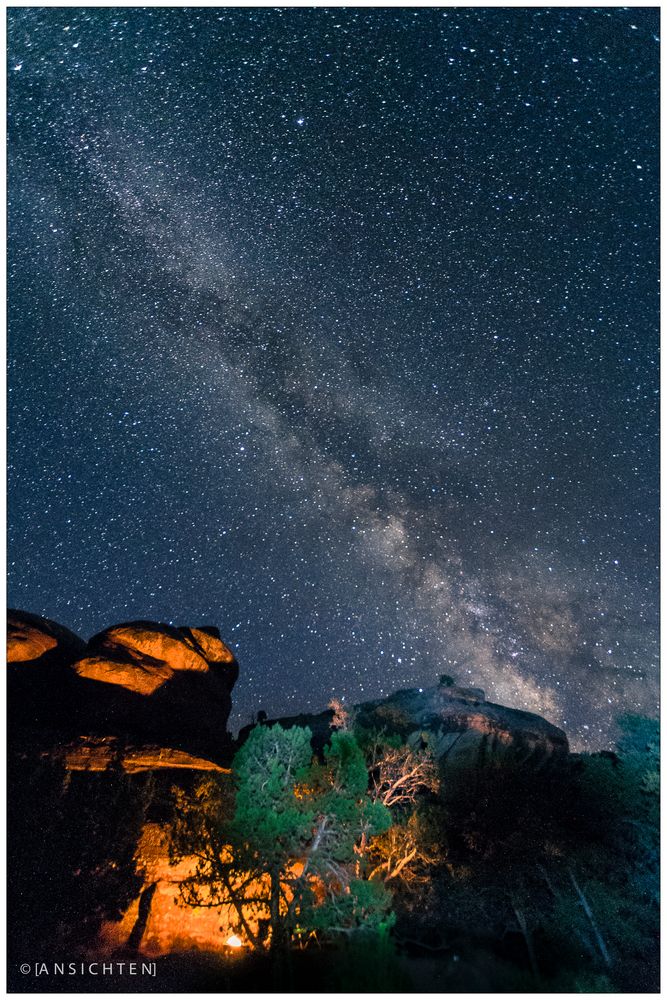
(288, 856)
(403, 776)
(342, 716)
(408, 851)
(562, 860)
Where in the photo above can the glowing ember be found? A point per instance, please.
(234, 941)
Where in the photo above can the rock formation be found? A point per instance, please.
(462, 720)
(107, 753)
(39, 642)
(143, 707)
(39, 656)
(100, 732)
(137, 681)
(457, 721)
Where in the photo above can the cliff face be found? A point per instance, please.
(102, 731)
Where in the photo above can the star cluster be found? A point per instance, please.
(337, 327)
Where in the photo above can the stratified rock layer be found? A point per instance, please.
(107, 753)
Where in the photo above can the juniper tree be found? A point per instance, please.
(290, 852)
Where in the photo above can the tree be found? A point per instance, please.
(400, 772)
(613, 902)
(342, 717)
(401, 777)
(289, 859)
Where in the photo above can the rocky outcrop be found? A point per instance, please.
(107, 753)
(101, 733)
(456, 721)
(460, 720)
(139, 656)
(35, 641)
(138, 682)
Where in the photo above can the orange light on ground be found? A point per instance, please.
(234, 941)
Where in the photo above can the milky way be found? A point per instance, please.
(337, 328)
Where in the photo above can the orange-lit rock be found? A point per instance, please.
(157, 922)
(143, 675)
(25, 642)
(39, 679)
(212, 647)
(30, 638)
(143, 656)
(104, 753)
(141, 681)
(158, 641)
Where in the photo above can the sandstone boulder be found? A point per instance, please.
(39, 677)
(138, 656)
(38, 641)
(143, 656)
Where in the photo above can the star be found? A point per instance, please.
(249, 378)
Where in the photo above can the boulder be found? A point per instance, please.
(37, 641)
(151, 680)
(139, 656)
(39, 677)
(143, 656)
(459, 720)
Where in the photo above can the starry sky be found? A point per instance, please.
(338, 329)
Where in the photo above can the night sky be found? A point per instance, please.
(338, 329)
